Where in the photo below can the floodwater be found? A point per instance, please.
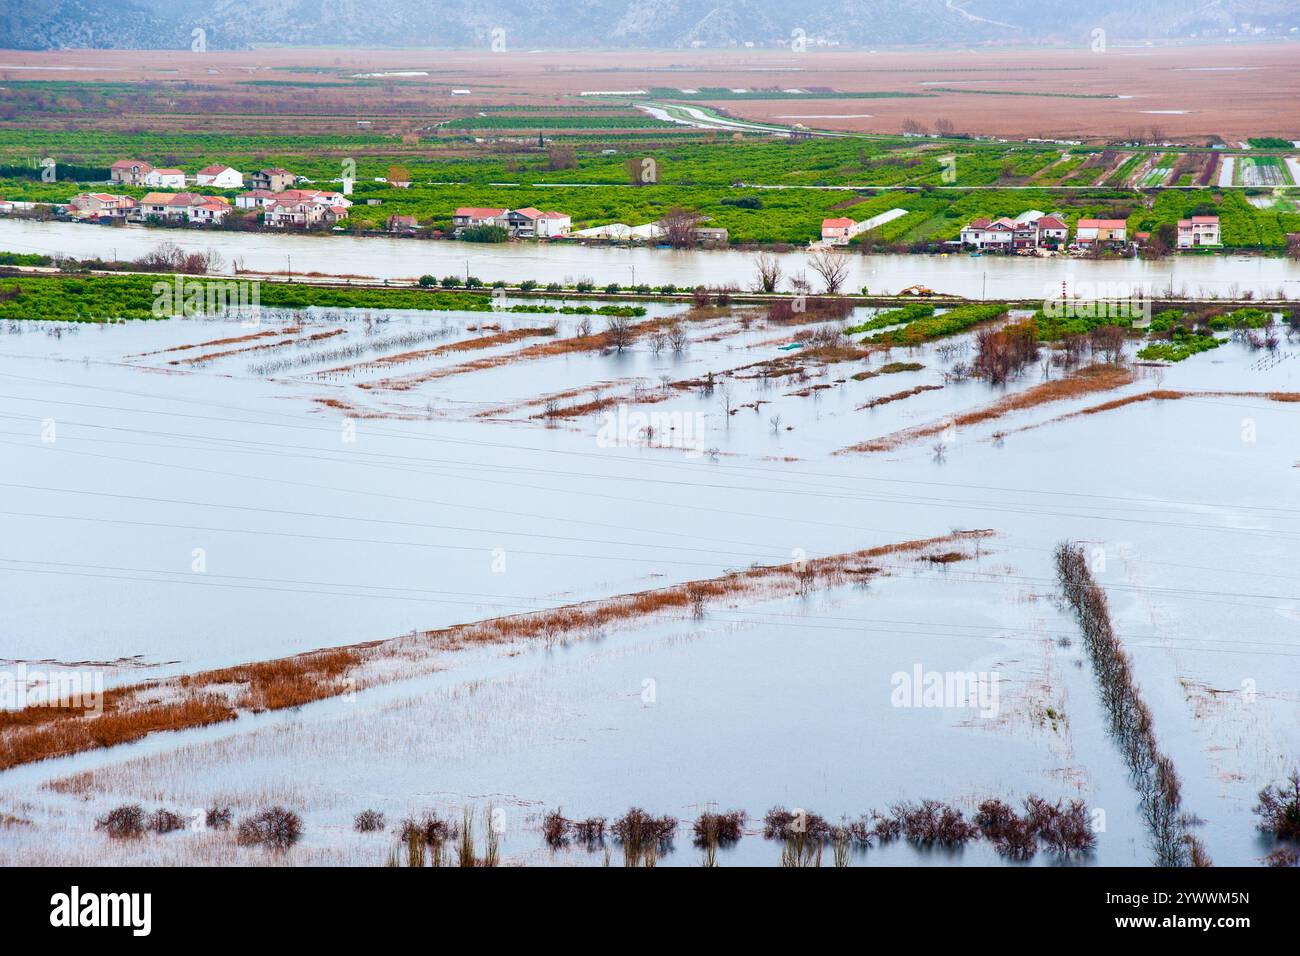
(161, 519)
(974, 277)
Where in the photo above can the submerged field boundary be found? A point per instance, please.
(1130, 721)
(1085, 381)
(135, 711)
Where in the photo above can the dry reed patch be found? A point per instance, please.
(548, 397)
(1161, 395)
(603, 404)
(352, 410)
(595, 342)
(898, 396)
(133, 712)
(1091, 378)
(213, 696)
(291, 340)
(465, 345)
(233, 340)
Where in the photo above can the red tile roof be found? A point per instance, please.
(477, 212)
(838, 223)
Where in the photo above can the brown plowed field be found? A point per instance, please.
(1233, 91)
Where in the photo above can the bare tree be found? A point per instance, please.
(679, 225)
(912, 126)
(767, 270)
(943, 126)
(677, 337)
(619, 331)
(832, 265)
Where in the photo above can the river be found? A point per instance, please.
(382, 258)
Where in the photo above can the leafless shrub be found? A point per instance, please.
(719, 829)
(368, 821)
(555, 830)
(218, 818)
(123, 823)
(780, 823)
(933, 822)
(1282, 856)
(643, 835)
(165, 821)
(275, 828)
(1279, 809)
(590, 831)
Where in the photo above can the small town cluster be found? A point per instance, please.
(275, 196)
(272, 193)
(1033, 230)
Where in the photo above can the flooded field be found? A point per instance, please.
(708, 563)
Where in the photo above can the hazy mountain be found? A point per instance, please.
(530, 24)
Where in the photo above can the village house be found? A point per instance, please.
(311, 209)
(467, 216)
(210, 210)
(1198, 231)
(522, 223)
(838, 231)
(712, 236)
(100, 206)
(1030, 230)
(256, 199)
(272, 180)
(219, 177)
(165, 179)
(525, 223)
(1109, 232)
(190, 207)
(552, 224)
(989, 234)
(403, 224)
(1053, 231)
(129, 172)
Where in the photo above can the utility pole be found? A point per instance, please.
(289, 259)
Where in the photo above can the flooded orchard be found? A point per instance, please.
(542, 569)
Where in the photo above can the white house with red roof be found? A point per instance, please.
(552, 224)
(191, 207)
(100, 206)
(1030, 230)
(466, 216)
(1101, 231)
(219, 177)
(1198, 231)
(130, 172)
(990, 233)
(837, 231)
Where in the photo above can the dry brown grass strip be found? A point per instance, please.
(465, 345)
(291, 340)
(287, 330)
(1161, 395)
(596, 342)
(1087, 380)
(210, 697)
(898, 396)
